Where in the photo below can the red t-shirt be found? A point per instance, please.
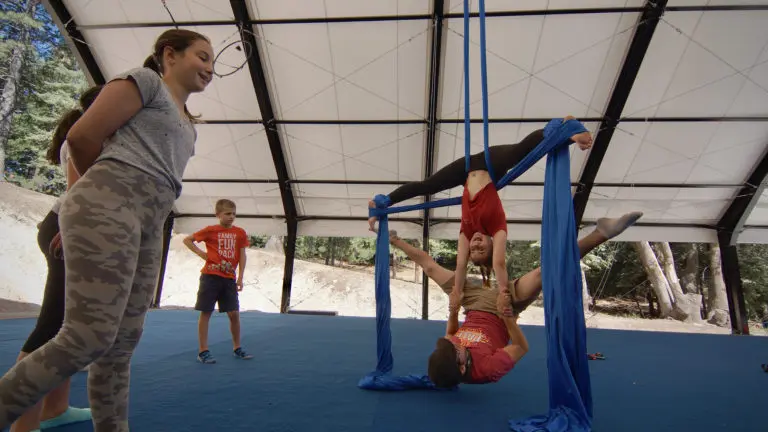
(222, 245)
(485, 336)
(483, 214)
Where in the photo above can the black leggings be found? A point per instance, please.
(503, 158)
(52, 311)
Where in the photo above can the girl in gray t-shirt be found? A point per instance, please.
(131, 148)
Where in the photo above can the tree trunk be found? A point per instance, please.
(275, 244)
(656, 277)
(689, 280)
(688, 304)
(717, 300)
(651, 308)
(586, 300)
(10, 93)
(416, 272)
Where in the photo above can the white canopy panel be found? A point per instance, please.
(350, 86)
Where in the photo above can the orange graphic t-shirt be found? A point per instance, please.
(222, 246)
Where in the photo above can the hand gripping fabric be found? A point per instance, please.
(556, 139)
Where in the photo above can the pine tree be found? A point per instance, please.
(27, 35)
(58, 85)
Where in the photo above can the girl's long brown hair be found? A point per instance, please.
(177, 40)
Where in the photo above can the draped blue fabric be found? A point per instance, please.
(484, 87)
(570, 393)
(570, 396)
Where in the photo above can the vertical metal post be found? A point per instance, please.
(290, 255)
(167, 234)
(438, 12)
(734, 290)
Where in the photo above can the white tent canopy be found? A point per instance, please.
(364, 95)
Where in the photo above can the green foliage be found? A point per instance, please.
(49, 84)
(258, 241)
(444, 252)
(362, 250)
(522, 257)
(754, 278)
(57, 87)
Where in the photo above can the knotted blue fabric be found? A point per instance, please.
(569, 385)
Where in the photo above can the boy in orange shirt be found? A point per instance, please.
(224, 253)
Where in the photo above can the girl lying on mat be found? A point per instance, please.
(489, 343)
(483, 232)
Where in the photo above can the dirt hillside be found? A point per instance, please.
(315, 286)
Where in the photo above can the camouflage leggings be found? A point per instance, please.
(111, 226)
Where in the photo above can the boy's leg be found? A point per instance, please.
(229, 302)
(526, 289)
(203, 323)
(207, 295)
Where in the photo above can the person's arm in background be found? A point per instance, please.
(244, 243)
(189, 242)
(54, 247)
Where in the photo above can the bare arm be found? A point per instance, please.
(54, 247)
(241, 267)
(500, 259)
(72, 175)
(453, 323)
(462, 259)
(414, 254)
(433, 270)
(518, 346)
(116, 104)
(189, 242)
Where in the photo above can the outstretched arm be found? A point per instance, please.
(433, 270)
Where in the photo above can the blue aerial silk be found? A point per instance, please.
(570, 393)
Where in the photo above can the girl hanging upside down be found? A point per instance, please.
(483, 232)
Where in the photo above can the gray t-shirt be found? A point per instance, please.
(159, 139)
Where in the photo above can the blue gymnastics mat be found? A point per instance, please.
(306, 368)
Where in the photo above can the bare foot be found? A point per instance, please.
(610, 228)
(584, 139)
